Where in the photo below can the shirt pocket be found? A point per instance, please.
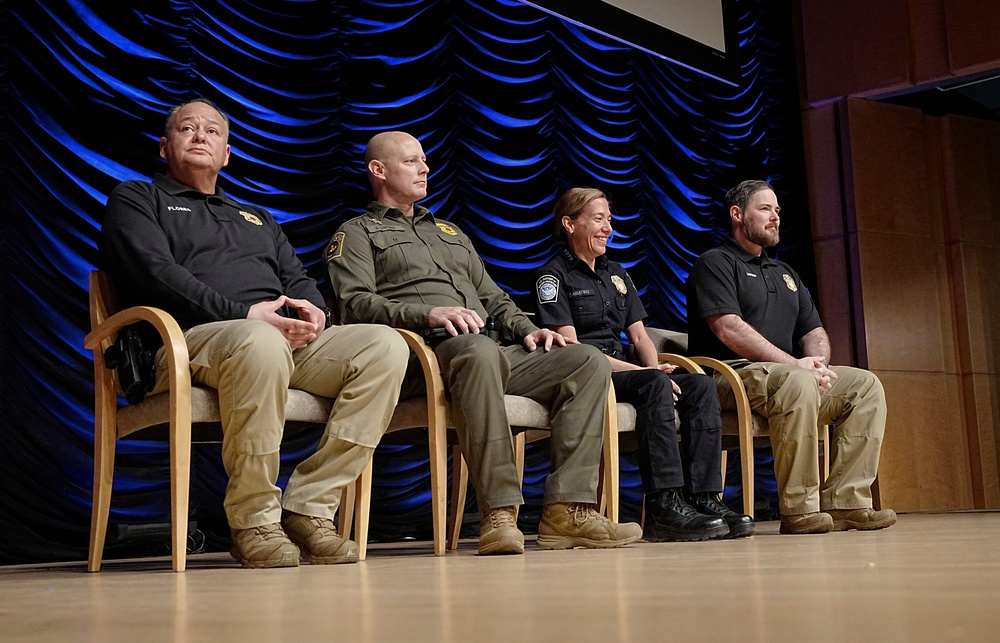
(391, 250)
(587, 309)
(455, 254)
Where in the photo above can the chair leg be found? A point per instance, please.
(824, 453)
(609, 458)
(345, 514)
(105, 436)
(459, 490)
(519, 441)
(180, 482)
(725, 457)
(180, 465)
(439, 487)
(362, 509)
(746, 464)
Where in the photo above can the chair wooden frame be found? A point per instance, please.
(526, 428)
(745, 419)
(174, 408)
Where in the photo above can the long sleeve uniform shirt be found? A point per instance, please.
(200, 257)
(388, 268)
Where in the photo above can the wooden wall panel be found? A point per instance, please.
(929, 54)
(972, 27)
(908, 316)
(923, 466)
(878, 47)
(826, 208)
(893, 172)
(971, 153)
(972, 192)
(853, 46)
(891, 196)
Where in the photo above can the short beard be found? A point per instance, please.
(761, 238)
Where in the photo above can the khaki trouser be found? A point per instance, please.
(252, 366)
(571, 381)
(789, 397)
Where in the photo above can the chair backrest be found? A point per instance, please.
(668, 341)
(103, 298)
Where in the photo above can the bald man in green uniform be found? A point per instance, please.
(398, 265)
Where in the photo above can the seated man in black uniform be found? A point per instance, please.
(254, 325)
(586, 297)
(754, 312)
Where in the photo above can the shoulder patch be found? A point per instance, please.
(447, 229)
(336, 246)
(548, 289)
(252, 218)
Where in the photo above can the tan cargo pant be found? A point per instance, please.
(252, 366)
(789, 397)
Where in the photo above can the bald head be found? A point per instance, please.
(397, 169)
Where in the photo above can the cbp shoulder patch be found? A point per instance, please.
(336, 246)
(548, 289)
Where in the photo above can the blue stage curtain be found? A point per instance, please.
(512, 105)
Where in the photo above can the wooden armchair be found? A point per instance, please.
(742, 424)
(185, 413)
(529, 421)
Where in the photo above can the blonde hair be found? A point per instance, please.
(571, 204)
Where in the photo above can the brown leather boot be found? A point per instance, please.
(318, 539)
(265, 546)
(577, 524)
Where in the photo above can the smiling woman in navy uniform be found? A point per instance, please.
(584, 296)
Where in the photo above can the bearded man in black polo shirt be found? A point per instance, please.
(254, 326)
(754, 312)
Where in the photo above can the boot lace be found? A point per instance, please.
(502, 517)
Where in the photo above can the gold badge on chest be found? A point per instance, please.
(619, 284)
(790, 282)
(252, 218)
(447, 229)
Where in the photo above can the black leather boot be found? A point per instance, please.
(670, 518)
(708, 503)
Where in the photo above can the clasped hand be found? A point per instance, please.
(299, 332)
(817, 366)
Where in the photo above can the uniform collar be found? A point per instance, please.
(573, 261)
(379, 211)
(173, 188)
(744, 255)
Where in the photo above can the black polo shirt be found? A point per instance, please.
(201, 257)
(764, 292)
(598, 303)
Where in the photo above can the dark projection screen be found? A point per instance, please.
(697, 34)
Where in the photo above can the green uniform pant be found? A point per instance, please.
(571, 381)
(790, 399)
(252, 366)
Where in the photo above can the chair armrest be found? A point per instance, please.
(437, 417)
(686, 363)
(428, 362)
(178, 361)
(739, 394)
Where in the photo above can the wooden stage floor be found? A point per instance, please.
(931, 577)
